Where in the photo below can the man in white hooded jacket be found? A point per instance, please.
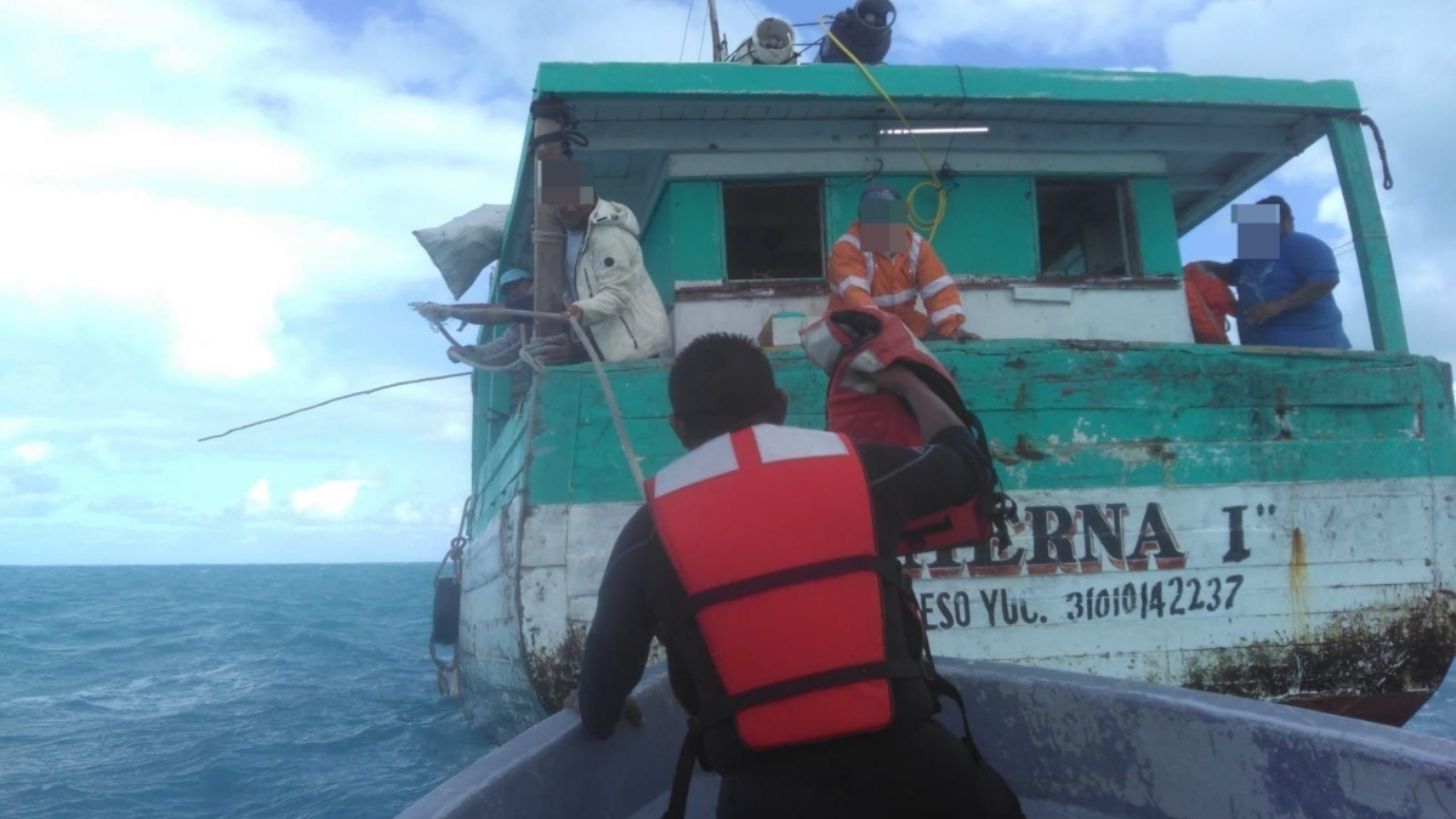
(608, 289)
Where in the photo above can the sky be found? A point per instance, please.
(206, 206)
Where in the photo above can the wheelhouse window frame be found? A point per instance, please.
(749, 256)
(1067, 258)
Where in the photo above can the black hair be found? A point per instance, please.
(1286, 214)
(722, 382)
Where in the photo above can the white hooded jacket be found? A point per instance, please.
(619, 304)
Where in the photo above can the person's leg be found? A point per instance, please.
(922, 771)
(804, 790)
(927, 772)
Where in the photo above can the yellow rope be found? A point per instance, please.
(912, 212)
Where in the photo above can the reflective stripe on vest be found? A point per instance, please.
(935, 287)
(769, 531)
(915, 241)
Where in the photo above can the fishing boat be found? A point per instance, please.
(1274, 523)
(1072, 746)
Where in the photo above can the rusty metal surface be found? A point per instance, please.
(1358, 655)
(554, 671)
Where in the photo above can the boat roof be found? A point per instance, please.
(1213, 136)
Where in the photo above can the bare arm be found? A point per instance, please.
(470, 313)
(1223, 270)
(1307, 292)
(933, 414)
(480, 314)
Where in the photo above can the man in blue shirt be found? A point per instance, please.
(1287, 301)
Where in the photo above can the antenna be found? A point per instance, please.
(720, 47)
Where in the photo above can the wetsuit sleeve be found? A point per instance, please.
(906, 483)
(621, 632)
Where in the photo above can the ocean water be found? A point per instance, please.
(238, 691)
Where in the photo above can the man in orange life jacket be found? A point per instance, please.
(764, 561)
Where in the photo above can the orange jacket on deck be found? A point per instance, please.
(1210, 303)
(859, 279)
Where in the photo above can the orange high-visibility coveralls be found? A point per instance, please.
(860, 279)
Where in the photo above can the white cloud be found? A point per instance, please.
(216, 169)
(406, 512)
(259, 497)
(1051, 27)
(1392, 52)
(101, 451)
(28, 493)
(515, 36)
(11, 427)
(129, 148)
(455, 430)
(331, 499)
(33, 451)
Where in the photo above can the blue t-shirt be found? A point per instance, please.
(1302, 258)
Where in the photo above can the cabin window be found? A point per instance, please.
(773, 231)
(1085, 229)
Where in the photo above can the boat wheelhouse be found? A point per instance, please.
(1270, 522)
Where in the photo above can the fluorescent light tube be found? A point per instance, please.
(966, 129)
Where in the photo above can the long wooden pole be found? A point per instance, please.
(718, 48)
(547, 236)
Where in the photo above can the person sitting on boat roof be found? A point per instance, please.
(764, 559)
(881, 262)
(608, 288)
(1286, 281)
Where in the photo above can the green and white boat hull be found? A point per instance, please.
(1275, 524)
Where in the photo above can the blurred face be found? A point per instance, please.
(518, 289)
(574, 215)
(566, 184)
(882, 226)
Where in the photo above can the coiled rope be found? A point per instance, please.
(912, 213)
(1365, 119)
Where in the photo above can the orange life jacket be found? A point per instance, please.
(1210, 303)
(847, 344)
(770, 532)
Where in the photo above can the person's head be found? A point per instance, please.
(567, 185)
(882, 220)
(1286, 215)
(719, 383)
(574, 215)
(515, 284)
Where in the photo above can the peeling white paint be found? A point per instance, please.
(1368, 544)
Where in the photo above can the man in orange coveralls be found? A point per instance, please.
(881, 262)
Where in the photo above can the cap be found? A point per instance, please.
(880, 192)
(514, 275)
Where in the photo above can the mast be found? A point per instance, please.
(719, 47)
(548, 237)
